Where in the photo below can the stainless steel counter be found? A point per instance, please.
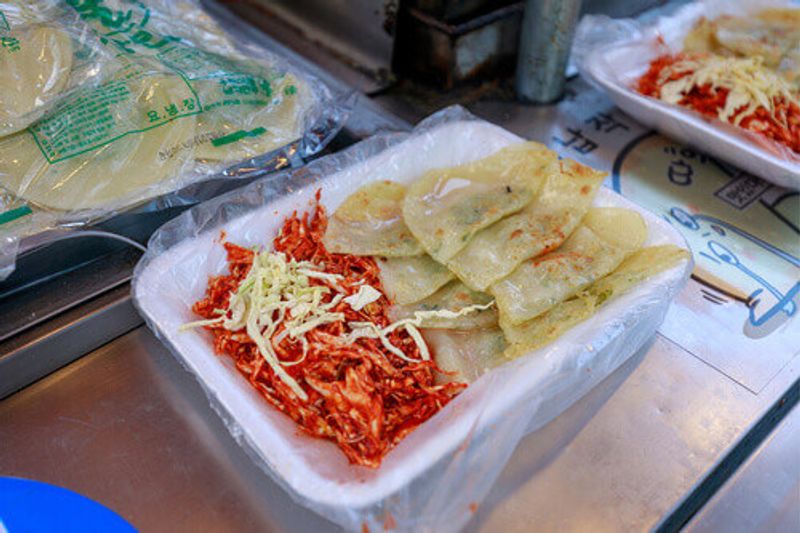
(128, 427)
(764, 494)
(628, 455)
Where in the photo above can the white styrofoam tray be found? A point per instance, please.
(617, 66)
(534, 389)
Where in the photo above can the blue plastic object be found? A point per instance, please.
(31, 507)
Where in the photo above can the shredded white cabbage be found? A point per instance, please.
(411, 325)
(749, 82)
(277, 284)
(366, 295)
(278, 291)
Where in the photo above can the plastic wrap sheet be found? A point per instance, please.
(615, 53)
(105, 104)
(435, 478)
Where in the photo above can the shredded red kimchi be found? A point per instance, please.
(781, 124)
(360, 395)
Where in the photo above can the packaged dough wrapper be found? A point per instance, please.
(106, 104)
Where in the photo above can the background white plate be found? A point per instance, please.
(615, 67)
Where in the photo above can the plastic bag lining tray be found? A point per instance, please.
(525, 393)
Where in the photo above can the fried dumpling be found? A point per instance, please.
(772, 34)
(494, 252)
(454, 297)
(548, 326)
(606, 236)
(411, 279)
(370, 222)
(466, 355)
(446, 207)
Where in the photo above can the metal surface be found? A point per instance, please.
(128, 427)
(456, 10)
(366, 117)
(623, 457)
(29, 306)
(40, 350)
(354, 74)
(544, 45)
(452, 40)
(722, 472)
(764, 495)
(439, 53)
(356, 31)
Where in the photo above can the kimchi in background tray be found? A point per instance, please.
(614, 54)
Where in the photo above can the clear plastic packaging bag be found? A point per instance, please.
(614, 53)
(131, 100)
(42, 61)
(438, 475)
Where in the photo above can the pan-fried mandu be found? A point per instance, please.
(466, 355)
(494, 252)
(548, 326)
(546, 258)
(606, 236)
(411, 279)
(446, 207)
(454, 296)
(370, 222)
(772, 34)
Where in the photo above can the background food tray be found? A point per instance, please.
(615, 53)
(437, 473)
